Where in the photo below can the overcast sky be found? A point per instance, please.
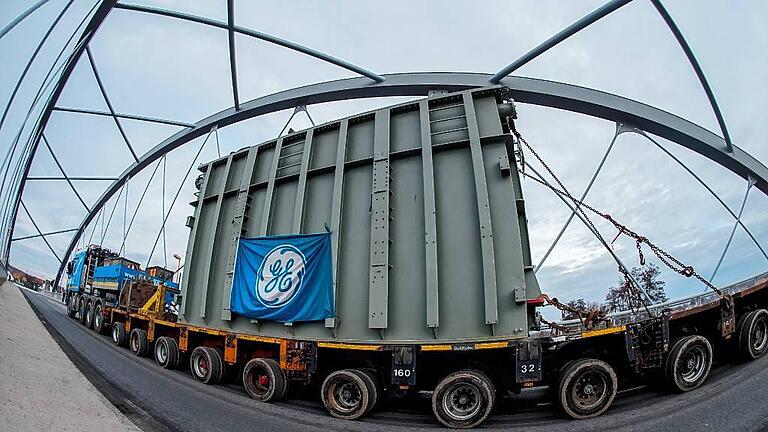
(161, 67)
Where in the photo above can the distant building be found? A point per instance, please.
(25, 279)
(16, 275)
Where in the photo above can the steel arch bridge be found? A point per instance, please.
(629, 115)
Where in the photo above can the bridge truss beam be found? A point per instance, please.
(524, 90)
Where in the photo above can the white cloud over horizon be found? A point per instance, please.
(157, 66)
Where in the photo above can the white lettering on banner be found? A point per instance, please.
(280, 276)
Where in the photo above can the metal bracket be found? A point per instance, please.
(528, 361)
(403, 371)
(727, 317)
(646, 343)
(627, 128)
(504, 168)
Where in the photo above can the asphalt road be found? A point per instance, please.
(735, 397)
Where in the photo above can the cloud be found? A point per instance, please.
(160, 67)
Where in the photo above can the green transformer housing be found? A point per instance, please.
(425, 207)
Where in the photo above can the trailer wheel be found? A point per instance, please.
(98, 318)
(264, 380)
(81, 309)
(463, 399)
(206, 365)
(753, 334)
(688, 363)
(345, 394)
(372, 382)
(167, 352)
(587, 388)
(118, 334)
(138, 342)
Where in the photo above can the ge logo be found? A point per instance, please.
(280, 276)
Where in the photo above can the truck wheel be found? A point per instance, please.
(753, 334)
(372, 382)
(71, 307)
(264, 380)
(81, 310)
(345, 395)
(206, 365)
(98, 318)
(118, 334)
(688, 363)
(587, 388)
(167, 352)
(89, 315)
(138, 342)
(463, 399)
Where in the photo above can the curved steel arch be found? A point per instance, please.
(526, 90)
(534, 91)
(97, 19)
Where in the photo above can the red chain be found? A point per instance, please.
(670, 261)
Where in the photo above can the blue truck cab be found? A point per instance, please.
(75, 272)
(97, 276)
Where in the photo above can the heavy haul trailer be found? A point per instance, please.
(98, 279)
(430, 278)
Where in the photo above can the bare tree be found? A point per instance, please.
(624, 296)
(578, 304)
(582, 306)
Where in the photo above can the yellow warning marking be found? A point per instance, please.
(436, 347)
(491, 345)
(605, 331)
(359, 347)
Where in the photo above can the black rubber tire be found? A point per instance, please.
(138, 342)
(264, 380)
(118, 334)
(174, 344)
(347, 383)
(688, 363)
(89, 315)
(374, 389)
(482, 393)
(587, 378)
(98, 319)
(753, 335)
(81, 310)
(207, 365)
(166, 352)
(71, 309)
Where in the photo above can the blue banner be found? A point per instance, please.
(284, 278)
